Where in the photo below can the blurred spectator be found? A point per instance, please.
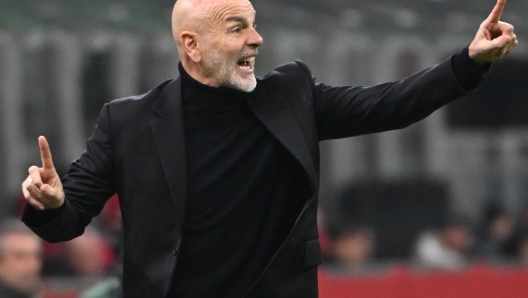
(446, 248)
(20, 260)
(112, 225)
(88, 255)
(324, 240)
(352, 246)
(61, 258)
(498, 235)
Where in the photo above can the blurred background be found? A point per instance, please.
(446, 193)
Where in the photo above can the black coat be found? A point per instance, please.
(7, 291)
(138, 151)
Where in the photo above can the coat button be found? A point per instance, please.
(175, 251)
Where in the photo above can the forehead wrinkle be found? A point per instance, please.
(219, 14)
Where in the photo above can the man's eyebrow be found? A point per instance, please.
(239, 19)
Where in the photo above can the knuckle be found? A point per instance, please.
(30, 200)
(33, 169)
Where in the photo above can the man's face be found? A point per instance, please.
(231, 44)
(20, 261)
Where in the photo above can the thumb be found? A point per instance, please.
(54, 196)
(500, 42)
(48, 190)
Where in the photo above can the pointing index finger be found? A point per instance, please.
(45, 153)
(496, 13)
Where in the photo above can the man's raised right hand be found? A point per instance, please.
(43, 188)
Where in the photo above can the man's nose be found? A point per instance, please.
(255, 40)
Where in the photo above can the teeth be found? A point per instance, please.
(246, 62)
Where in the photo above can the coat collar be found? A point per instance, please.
(272, 109)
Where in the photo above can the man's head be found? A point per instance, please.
(456, 234)
(20, 256)
(86, 253)
(354, 245)
(217, 41)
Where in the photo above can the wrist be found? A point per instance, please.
(474, 55)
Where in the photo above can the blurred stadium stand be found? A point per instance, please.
(398, 210)
(76, 55)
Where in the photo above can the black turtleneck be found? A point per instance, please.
(243, 194)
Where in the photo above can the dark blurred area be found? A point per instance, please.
(500, 103)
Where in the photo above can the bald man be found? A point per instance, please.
(217, 171)
(217, 42)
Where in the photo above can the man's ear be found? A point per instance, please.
(190, 44)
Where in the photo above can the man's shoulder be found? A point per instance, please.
(289, 74)
(142, 100)
(292, 81)
(140, 108)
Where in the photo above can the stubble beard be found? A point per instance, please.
(224, 71)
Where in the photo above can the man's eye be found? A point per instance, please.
(236, 30)
(254, 26)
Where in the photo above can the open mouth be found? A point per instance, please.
(247, 64)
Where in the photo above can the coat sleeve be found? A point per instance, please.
(349, 111)
(87, 186)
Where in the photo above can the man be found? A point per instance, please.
(447, 247)
(20, 260)
(217, 172)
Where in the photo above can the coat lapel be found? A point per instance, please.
(169, 137)
(276, 115)
(272, 111)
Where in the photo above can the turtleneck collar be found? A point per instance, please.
(207, 97)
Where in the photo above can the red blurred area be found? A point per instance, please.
(479, 281)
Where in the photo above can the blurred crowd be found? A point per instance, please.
(26, 261)
(353, 246)
(454, 243)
